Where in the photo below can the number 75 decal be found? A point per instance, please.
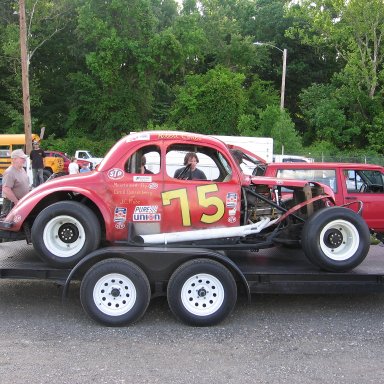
(203, 201)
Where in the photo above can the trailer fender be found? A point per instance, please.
(154, 260)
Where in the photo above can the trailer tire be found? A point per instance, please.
(64, 232)
(115, 292)
(201, 292)
(336, 239)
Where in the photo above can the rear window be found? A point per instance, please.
(324, 176)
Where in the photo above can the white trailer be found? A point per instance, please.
(260, 146)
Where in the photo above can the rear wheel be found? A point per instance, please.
(202, 292)
(115, 292)
(336, 239)
(65, 232)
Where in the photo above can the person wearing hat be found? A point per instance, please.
(15, 181)
(37, 160)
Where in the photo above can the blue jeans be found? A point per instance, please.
(37, 176)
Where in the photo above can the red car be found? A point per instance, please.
(143, 194)
(67, 160)
(353, 184)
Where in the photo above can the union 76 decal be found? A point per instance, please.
(146, 213)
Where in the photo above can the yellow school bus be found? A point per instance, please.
(10, 142)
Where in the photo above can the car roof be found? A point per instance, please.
(324, 165)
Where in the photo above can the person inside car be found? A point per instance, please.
(190, 171)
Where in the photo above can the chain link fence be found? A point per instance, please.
(379, 160)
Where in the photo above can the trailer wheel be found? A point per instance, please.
(115, 292)
(65, 232)
(202, 292)
(336, 239)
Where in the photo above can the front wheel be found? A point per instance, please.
(202, 292)
(336, 239)
(115, 292)
(64, 232)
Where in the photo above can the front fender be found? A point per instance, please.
(22, 211)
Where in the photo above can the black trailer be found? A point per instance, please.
(201, 285)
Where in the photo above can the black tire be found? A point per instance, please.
(64, 232)
(336, 239)
(115, 292)
(201, 292)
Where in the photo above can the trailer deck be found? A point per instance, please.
(276, 270)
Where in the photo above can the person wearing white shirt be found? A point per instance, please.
(73, 167)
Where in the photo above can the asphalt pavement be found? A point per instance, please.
(275, 339)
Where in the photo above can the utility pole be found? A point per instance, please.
(25, 77)
(283, 79)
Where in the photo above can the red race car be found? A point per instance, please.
(178, 189)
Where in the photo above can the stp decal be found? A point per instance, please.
(115, 174)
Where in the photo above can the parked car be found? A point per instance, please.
(353, 184)
(67, 160)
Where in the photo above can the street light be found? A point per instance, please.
(284, 52)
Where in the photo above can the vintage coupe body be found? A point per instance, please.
(68, 217)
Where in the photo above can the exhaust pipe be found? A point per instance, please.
(206, 234)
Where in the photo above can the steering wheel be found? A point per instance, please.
(184, 172)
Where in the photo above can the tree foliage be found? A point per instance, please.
(101, 69)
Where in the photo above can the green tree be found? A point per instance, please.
(211, 103)
(278, 125)
(354, 28)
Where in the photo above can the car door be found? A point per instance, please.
(200, 204)
(367, 186)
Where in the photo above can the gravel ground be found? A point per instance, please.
(275, 339)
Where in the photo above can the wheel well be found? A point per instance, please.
(158, 268)
(49, 169)
(67, 196)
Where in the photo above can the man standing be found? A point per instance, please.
(37, 159)
(15, 181)
(73, 167)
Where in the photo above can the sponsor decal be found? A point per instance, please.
(232, 219)
(146, 213)
(119, 225)
(138, 136)
(120, 214)
(232, 212)
(142, 179)
(146, 209)
(153, 186)
(231, 200)
(17, 218)
(115, 174)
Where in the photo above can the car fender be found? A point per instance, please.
(25, 206)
